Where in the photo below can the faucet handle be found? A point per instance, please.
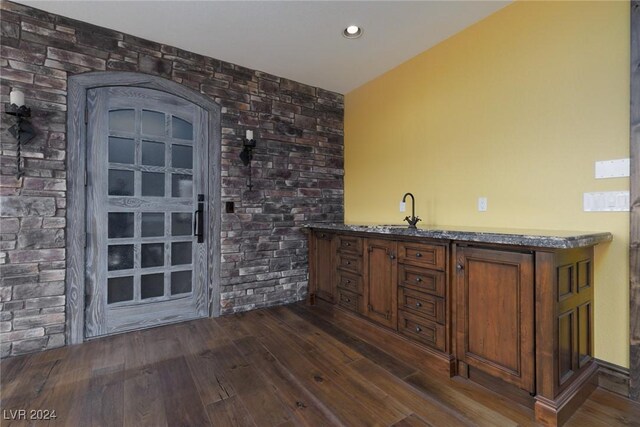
(417, 219)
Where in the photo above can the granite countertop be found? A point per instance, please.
(559, 239)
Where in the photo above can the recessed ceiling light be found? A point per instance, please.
(352, 32)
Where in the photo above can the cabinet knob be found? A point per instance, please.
(348, 281)
(348, 244)
(348, 262)
(392, 256)
(418, 329)
(418, 254)
(418, 279)
(459, 267)
(348, 300)
(418, 304)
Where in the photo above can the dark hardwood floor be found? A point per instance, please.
(282, 366)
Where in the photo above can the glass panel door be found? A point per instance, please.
(146, 156)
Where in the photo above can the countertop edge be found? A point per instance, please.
(545, 239)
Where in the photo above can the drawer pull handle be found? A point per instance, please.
(418, 254)
(418, 279)
(418, 304)
(418, 329)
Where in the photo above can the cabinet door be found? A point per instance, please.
(324, 266)
(495, 306)
(381, 282)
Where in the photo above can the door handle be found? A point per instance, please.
(198, 226)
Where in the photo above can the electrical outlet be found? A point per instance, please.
(482, 204)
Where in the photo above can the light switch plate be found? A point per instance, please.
(403, 206)
(613, 168)
(606, 201)
(482, 204)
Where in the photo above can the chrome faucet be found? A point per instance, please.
(414, 219)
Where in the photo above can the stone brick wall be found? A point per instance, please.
(297, 169)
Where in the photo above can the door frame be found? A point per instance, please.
(634, 229)
(78, 86)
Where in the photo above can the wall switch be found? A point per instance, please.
(606, 201)
(403, 206)
(613, 168)
(482, 204)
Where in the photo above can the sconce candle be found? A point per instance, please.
(246, 155)
(16, 98)
(22, 130)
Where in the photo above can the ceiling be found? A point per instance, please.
(299, 40)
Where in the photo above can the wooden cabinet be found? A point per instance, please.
(422, 293)
(322, 266)
(349, 272)
(381, 279)
(495, 314)
(518, 319)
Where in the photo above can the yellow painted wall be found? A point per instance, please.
(516, 108)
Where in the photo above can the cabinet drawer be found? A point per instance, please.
(422, 279)
(351, 263)
(422, 255)
(425, 305)
(349, 300)
(422, 330)
(350, 282)
(350, 244)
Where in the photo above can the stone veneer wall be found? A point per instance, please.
(297, 169)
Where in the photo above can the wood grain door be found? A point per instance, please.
(325, 267)
(495, 320)
(381, 283)
(146, 181)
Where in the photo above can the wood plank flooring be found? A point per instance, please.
(283, 366)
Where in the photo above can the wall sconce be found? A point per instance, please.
(247, 153)
(22, 131)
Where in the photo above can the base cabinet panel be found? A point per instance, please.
(380, 276)
(324, 266)
(495, 314)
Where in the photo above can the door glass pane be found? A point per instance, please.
(152, 255)
(122, 120)
(180, 282)
(121, 150)
(120, 182)
(153, 184)
(181, 185)
(152, 224)
(153, 123)
(119, 289)
(182, 129)
(120, 257)
(181, 224)
(182, 156)
(152, 153)
(151, 285)
(180, 253)
(120, 225)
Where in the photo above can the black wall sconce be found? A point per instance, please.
(247, 153)
(22, 131)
